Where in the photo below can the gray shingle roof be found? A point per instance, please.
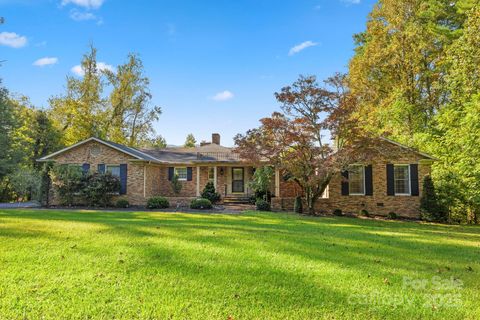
(206, 153)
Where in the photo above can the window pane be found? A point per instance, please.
(402, 179)
(181, 173)
(210, 173)
(114, 170)
(356, 180)
(238, 174)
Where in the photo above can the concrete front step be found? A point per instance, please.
(238, 199)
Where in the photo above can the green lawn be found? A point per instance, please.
(85, 264)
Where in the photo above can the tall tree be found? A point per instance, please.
(81, 112)
(457, 134)
(399, 65)
(190, 141)
(8, 125)
(130, 119)
(297, 140)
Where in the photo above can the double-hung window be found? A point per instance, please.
(181, 173)
(211, 174)
(402, 179)
(356, 180)
(114, 170)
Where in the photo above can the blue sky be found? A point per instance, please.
(213, 65)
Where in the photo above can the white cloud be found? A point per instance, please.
(223, 96)
(100, 67)
(11, 39)
(351, 1)
(89, 4)
(45, 61)
(299, 47)
(82, 16)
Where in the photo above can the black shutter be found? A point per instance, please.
(390, 180)
(414, 180)
(171, 171)
(345, 185)
(369, 180)
(189, 174)
(101, 168)
(123, 178)
(85, 168)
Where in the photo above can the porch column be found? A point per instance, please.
(215, 177)
(198, 181)
(277, 183)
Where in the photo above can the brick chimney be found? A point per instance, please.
(216, 138)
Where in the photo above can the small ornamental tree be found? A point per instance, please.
(176, 184)
(295, 140)
(210, 193)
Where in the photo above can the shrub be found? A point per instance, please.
(210, 193)
(262, 205)
(298, 205)
(337, 212)
(157, 203)
(122, 203)
(392, 215)
(364, 213)
(201, 204)
(99, 188)
(67, 181)
(430, 206)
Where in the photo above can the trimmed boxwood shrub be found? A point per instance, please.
(201, 204)
(392, 215)
(262, 205)
(122, 203)
(210, 193)
(157, 203)
(337, 212)
(298, 205)
(364, 213)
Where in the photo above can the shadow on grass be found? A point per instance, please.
(276, 253)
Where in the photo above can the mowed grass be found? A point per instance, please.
(149, 265)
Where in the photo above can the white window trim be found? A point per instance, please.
(364, 182)
(409, 181)
(175, 173)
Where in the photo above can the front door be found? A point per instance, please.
(238, 181)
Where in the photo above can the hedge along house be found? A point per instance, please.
(380, 187)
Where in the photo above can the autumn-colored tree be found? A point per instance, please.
(297, 140)
(400, 62)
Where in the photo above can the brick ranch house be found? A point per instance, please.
(379, 187)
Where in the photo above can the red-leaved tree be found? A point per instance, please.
(299, 141)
